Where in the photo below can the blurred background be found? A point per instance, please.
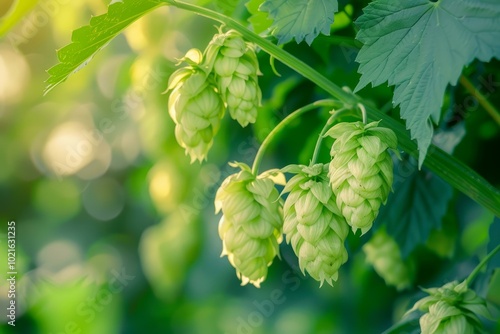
(116, 231)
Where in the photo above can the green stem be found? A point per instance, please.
(483, 101)
(478, 268)
(283, 124)
(441, 163)
(320, 140)
(328, 124)
(363, 112)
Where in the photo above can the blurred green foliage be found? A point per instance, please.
(115, 229)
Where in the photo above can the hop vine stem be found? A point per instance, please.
(317, 147)
(478, 268)
(483, 101)
(441, 163)
(336, 114)
(363, 112)
(283, 124)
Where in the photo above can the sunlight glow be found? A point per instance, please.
(14, 67)
(68, 150)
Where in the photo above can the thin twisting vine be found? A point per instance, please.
(283, 124)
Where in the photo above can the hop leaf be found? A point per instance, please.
(383, 253)
(452, 308)
(313, 223)
(420, 47)
(361, 170)
(235, 65)
(195, 107)
(300, 19)
(251, 224)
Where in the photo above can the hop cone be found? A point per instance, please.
(361, 170)
(313, 223)
(452, 308)
(195, 106)
(445, 319)
(236, 67)
(383, 253)
(251, 224)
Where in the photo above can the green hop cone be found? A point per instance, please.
(235, 65)
(251, 224)
(383, 253)
(361, 170)
(452, 308)
(313, 223)
(443, 318)
(195, 107)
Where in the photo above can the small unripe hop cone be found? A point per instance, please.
(195, 107)
(361, 170)
(313, 223)
(235, 65)
(383, 253)
(251, 224)
(444, 318)
(452, 308)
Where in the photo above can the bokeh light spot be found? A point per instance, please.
(67, 149)
(104, 199)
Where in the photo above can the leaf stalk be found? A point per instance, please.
(478, 268)
(483, 101)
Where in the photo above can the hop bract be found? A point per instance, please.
(235, 65)
(361, 170)
(313, 223)
(383, 253)
(452, 308)
(251, 224)
(195, 106)
(446, 319)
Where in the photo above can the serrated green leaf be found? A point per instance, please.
(416, 206)
(88, 40)
(420, 46)
(300, 19)
(259, 20)
(17, 11)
